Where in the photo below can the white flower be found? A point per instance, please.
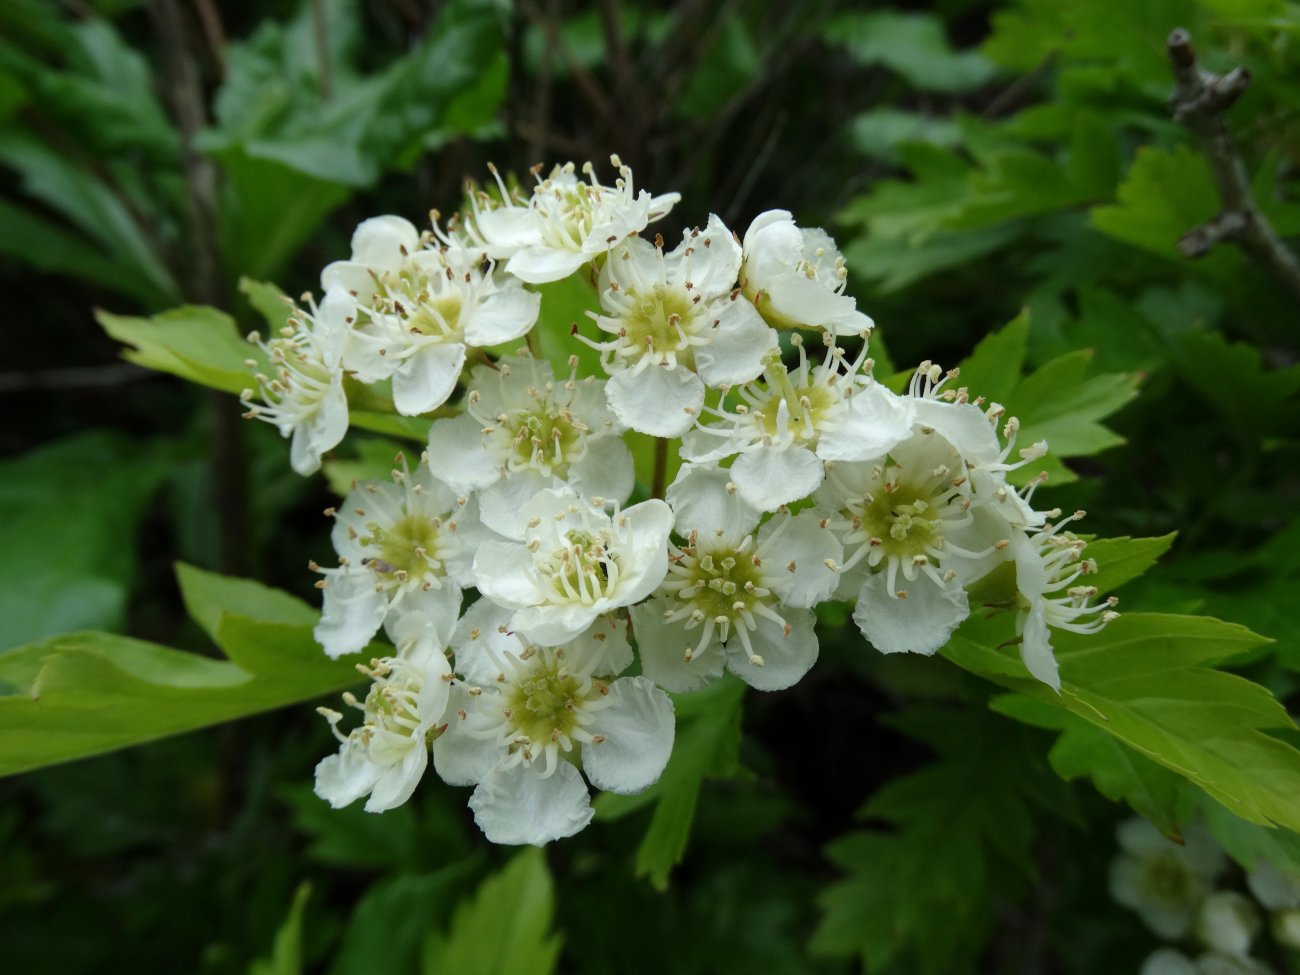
(1227, 922)
(566, 223)
(420, 307)
(531, 716)
(576, 562)
(1274, 888)
(917, 534)
(1048, 564)
(785, 428)
(385, 756)
(1162, 881)
(1167, 961)
(523, 432)
(796, 277)
(305, 399)
(677, 324)
(735, 596)
(403, 546)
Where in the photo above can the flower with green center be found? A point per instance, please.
(566, 222)
(528, 718)
(305, 399)
(524, 432)
(575, 562)
(675, 324)
(385, 756)
(419, 307)
(737, 595)
(786, 424)
(1163, 881)
(405, 545)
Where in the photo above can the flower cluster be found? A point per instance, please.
(805, 479)
(1177, 890)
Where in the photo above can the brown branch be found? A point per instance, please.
(1199, 101)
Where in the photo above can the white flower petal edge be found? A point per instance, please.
(517, 805)
(637, 733)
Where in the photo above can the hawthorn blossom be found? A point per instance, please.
(676, 324)
(576, 562)
(523, 432)
(1163, 881)
(789, 423)
(796, 276)
(385, 756)
(405, 545)
(305, 399)
(737, 595)
(565, 224)
(1227, 923)
(420, 307)
(529, 717)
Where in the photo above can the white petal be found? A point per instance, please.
(963, 425)
(1167, 961)
(1227, 923)
(397, 782)
(738, 345)
(538, 264)
(516, 805)
(383, 242)
(554, 624)
(427, 378)
(802, 299)
(458, 456)
(425, 616)
(876, 421)
(649, 524)
(700, 500)
(503, 573)
(663, 647)
(1273, 888)
(501, 503)
(638, 729)
(715, 262)
(464, 753)
(804, 544)
(483, 640)
(507, 229)
(503, 317)
(768, 477)
(321, 433)
(1036, 647)
(654, 400)
(702, 446)
(606, 471)
(350, 276)
(353, 611)
(920, 623)
(344, 777)
(785, 657)
(606, 641)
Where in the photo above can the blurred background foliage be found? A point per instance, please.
(976, 160)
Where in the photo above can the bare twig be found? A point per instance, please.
(1199, 101)
(189, 107)
(74, 378)
(321, 40)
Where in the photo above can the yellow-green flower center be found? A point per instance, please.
(806, 406)
(659, 323)
(543, 706)
(407, 548)
(546, 439)
(722, 583)
(904, 521)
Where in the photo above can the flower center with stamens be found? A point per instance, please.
(546, 439)
(543, 705)
(428, 307)
(584, 568)
(406, 549)
(660, 322)
(805, 406)
(721, 584)
(905, 520)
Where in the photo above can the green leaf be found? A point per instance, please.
(70, 539)
(87, 693)
(1120, 560)
(195, 342)
(209, 596)
(992, 370)
(708, 737)
(913, 45)
(877, 133)
(1167, 193)
(505, 928)
(1117, 771)
(387, 929)
(286, 953)
(1147, 681)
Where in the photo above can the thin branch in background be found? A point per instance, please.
(321, 38)
(1199, 101)
(185, 89)
(74, 378)
(214, 33)
(595, 94)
